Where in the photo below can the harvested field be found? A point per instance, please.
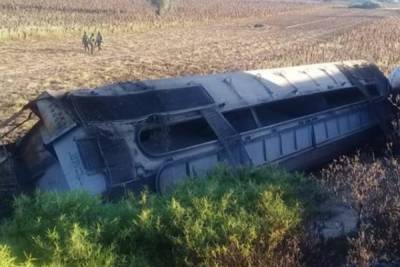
(308, 34)
(27, 19)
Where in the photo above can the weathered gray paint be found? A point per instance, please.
(285, 142)
(71, 164)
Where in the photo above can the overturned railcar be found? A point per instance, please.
(156, 133)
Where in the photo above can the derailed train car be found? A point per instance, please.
(155, 133)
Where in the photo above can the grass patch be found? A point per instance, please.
(251, 218)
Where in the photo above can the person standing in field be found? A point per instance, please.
(85, 42)
(99, 40)
(91, 43)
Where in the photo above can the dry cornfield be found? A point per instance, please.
(27, 19)
(41, 49)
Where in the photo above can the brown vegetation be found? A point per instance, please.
(25, 19)
(372, 186)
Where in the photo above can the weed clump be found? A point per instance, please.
(372, 187)
(251, 218)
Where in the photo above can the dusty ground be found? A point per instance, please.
(315, 35)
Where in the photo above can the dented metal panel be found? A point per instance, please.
(72, 165)
(55, 118)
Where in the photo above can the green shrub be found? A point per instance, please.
(250, 218)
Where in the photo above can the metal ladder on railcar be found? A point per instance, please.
(229, 138)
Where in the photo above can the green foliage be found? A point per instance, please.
(225, 219)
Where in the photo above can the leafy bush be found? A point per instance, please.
(251, 218)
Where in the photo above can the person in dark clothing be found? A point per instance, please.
(91, 43)
(85, 42)
(99, 40)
